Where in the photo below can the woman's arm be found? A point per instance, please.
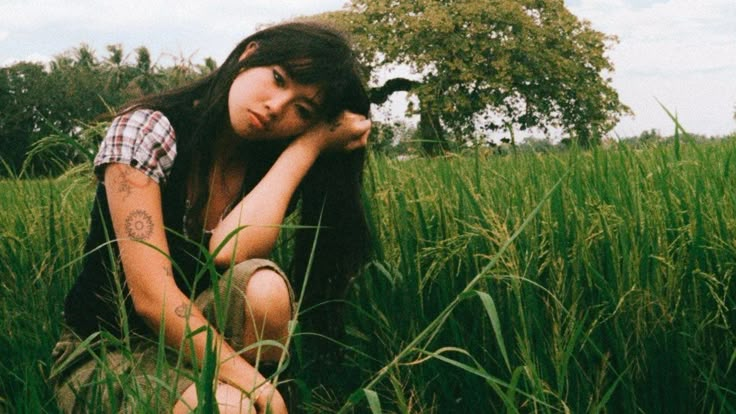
(264, 208)
(135, 207)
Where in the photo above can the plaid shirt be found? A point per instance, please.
(143, 139)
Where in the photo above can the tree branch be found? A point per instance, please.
(380, 94)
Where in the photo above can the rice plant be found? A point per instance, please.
(582, 281)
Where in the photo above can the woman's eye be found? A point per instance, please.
(278, 78)
(304, 113)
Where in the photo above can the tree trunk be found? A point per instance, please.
(430, 129)
(431, 132)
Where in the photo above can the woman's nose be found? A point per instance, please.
(277, 102)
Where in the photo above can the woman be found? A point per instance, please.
(217, 166)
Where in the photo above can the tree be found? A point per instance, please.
(53, 100)
(71, 92)
(115, 68)
(489, 64)
(85, 57)
(56, 100)
(21, 87)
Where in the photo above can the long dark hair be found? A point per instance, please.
(311, 54)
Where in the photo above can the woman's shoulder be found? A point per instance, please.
(143, 118)
(143, 138)
(143, 124)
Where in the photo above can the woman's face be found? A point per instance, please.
(265, 103)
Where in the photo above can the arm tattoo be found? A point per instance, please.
(122, 185)
(182, 310)
(334, 126)
(139, 225)
(167, 271)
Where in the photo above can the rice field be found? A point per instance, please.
(576, 281)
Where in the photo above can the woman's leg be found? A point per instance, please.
(267, 315)
(264, 314)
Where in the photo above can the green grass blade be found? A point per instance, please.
(490, 308)
(373, 402)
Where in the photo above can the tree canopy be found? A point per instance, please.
(479, 65)
(490, 64)
(75, 88)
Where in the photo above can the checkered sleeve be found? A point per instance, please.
(143, 139)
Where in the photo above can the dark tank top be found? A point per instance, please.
(99, 293)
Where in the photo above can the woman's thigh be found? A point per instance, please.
(111, 378)
(149, 377)
(227, 306)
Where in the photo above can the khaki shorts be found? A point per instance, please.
(102, 374)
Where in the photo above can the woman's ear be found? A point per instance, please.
(252, 46)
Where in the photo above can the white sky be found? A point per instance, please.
(681, 52)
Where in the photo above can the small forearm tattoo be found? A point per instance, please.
(182, 310)
(139, 225)
(334, 126)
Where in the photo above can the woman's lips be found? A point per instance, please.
(256, 120)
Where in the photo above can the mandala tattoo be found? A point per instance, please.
(181, 310)
(139, 225)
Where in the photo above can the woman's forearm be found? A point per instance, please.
(135, 208)
(182, 318)
(186, 318)
(262, 211)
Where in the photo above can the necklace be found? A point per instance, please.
(233, 197)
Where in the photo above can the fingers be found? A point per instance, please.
(270, 400)
(348, 132)
(354, 124)
(360, 142)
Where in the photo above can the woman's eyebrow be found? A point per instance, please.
(310, 101)
(307, 99)
(313, 100)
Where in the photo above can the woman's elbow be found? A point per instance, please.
(223, 259)
(228, 256)
(221, 251)
(228, 251)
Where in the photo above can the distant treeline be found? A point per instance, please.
(52, 115)
(73, 91)
(487, 66)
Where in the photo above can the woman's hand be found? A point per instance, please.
(268, 400)
(257, 217)
(349, 131)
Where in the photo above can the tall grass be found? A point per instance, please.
(617, 296)
(584, 281)
(43, 224)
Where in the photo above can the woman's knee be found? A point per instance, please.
(268, 297)
(269, 306)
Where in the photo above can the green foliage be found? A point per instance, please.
(57, 153)
(42, 228)
(618, 296)
(494, 63)
(21, 89)
(490, 286)
(62, 98)
(394, 139)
